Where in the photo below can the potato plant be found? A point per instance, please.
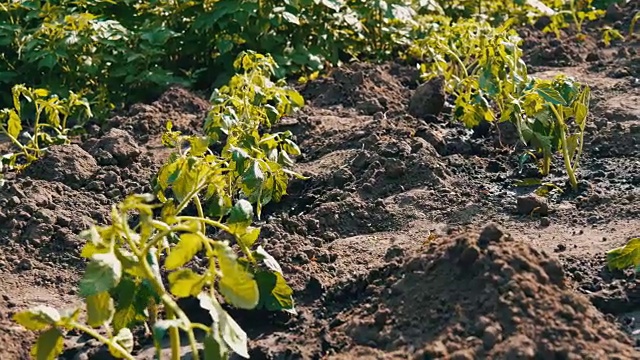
(572, 12)
(203, 206)
(482, 66)
(49, 123)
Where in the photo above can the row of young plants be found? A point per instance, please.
(482, 67)
(110, 51)
(203, 207)
(116, 52)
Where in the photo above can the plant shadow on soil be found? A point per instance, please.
(390, 245)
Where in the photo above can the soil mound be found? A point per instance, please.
(545, 49)
(183, 108)
(369, 88)
(471, 296)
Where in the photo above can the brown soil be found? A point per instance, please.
(387, 246)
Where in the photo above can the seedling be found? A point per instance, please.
(609, 34)
(554, 119)
(578, 12)
(49, 126)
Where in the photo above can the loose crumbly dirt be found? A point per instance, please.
(389, 246)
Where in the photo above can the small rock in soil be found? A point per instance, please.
(433, 137)
(342, 177)
(592, 57)
(491, 336)
(542, 22)
(491, 233)
(395, 169)
(560, 248)
(14, 201)
(614, 13)
(369, 106)
(545, 222)
(111, 178)
(393, 252)
(119, 144)
(463, 355)
(530, 203)
(428, 99)
(25, 264)
(435, 350)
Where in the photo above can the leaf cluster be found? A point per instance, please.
(111, 51)
(483, 67)
(36, 121)
(119, 52)
(572, 12)
(153, 235)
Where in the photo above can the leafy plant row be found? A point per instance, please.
(203, 207)
(113, 52)
(483, 68)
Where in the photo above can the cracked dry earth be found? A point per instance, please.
(409, 240)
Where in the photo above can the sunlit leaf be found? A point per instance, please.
(100, 309)
(186, 249)
(49, 345)
(185, 283)
(625, 256)
(102, 274)
(37, 318)
(237, 285)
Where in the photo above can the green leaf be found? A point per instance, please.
(291, 148)
(237, 285)
(625, 256)
(184, 283)
(214, 347)
(186, 249)
(550, 94)
(229, 330)
(268, 260)
(125, 339)
(218, 206)
(253, 177)
(224, 45)
(242, 212)
(37, 318)
(14, 126)
(199, 145)
(296, 98)
(289, 17)
(234, 336)
(210, 304)
(49, 345)
(275, 293)
(103, 273)
(239, 156)
(100, 309)
(250, 237)
(126, 314)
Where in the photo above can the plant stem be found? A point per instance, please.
(174, 336)
(91, 332)
(171, 307)
(243, 247)
(546, 164)
(565, 151)
(567, 160)
(35, 127)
